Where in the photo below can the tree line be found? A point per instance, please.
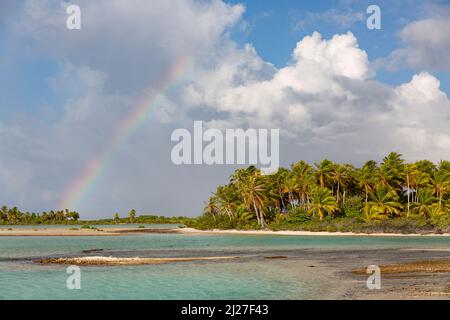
(373, 192)
(13, 216)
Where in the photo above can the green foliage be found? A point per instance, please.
(352, 207)
(144, 219)
(13, 216)
(132, 216)
(297, 215)
(393, 195)
(442, 223)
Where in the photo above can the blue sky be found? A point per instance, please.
(272, 27)
(276, 26)
(64, 93)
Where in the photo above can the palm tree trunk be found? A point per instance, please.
(229, 214)
(407, 192)
(281, 198)
(256, 212)
(263, 221)
(337, 193)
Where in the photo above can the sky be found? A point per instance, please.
(86, 115)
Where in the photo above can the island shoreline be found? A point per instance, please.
(16, 232)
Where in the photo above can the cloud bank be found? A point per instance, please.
(326, 102)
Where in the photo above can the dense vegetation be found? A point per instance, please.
(13, 216)
(143, 219)
(393, 196)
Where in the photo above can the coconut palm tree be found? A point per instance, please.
(116, 218)
(291, 188)
(3, 214)
(365, 180)
(340, 176)
(255, 192)
(424, 204)
(211, 208)
(239, 180)
(226, 199)
(276, 182)
(323, 172)
(440, 184)
(419, 180)
(323, 203)
(391, 171)
(383, 203)
(306, 181)
(60, 216)
(411, 172)
(13, 215)
(132, 216)
(426, 166)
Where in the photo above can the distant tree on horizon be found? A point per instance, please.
(132, 216)
(116, 218)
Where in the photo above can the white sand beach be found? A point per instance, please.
(70, 231)
(305, 233)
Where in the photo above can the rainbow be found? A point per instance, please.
(85, 182)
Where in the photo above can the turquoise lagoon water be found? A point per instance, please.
(102, 226)
(22, 278)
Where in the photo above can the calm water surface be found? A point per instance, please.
(21, 278)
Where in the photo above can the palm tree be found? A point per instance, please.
(383, 202)
(411, 173)
(72, 215)
(116, 218)
(438, 211)
(424, 204)
(13, 216)
(254, 191)
(277, 183)
(392, 170)
(211, 209)
(340, 176)
(132, 216)
(419, 180)
(239, 179)
(60, 216)
(444, 166)
(226, 198)
(52, 216)
(323, 203)
(440, 183)
(323, 171)
(425, 166)
(3, 213)
(306, 181)
(291, 187)
(366, 181)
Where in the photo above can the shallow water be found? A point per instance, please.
(22, 278)
(101, 226)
